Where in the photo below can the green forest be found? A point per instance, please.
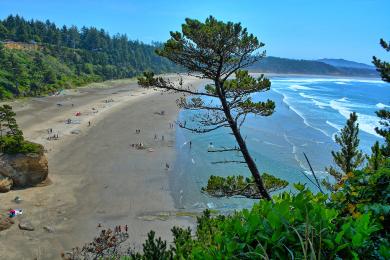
(39, 57)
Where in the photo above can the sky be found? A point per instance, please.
(299, 29)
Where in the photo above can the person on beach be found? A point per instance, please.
(190, 144)
(166, 166)
(162, 138)
(89, 123)
(155, 136)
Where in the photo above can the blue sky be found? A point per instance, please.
(307, 29)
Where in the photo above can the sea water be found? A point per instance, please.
(309, 113)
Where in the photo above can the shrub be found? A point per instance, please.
(239, 186)
(12, 145)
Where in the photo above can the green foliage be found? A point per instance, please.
(384, 114)
(366, 191)
(376, 160)
(293, 66)
(351, 224)
(349, 157)
(217, 50)
(239, 186)
(384, 130)
(51, 58)
(11, 137)
(301, 226)
(153, 249)
(298, 226)
(13, 144)
(382, 66)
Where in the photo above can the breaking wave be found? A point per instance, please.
(367, 123)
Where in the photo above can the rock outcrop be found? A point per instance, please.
(25, 170)
(5, 184)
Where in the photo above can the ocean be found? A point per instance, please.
(309, 112)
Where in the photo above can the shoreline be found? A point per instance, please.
(100, 179)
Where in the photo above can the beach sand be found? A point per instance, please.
(96, 176)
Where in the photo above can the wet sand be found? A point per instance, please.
(97, 176)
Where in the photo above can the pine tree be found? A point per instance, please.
(384, 114)
(349, 158)
(216, 50)
(376, 159)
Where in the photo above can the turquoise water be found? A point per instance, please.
(309, 112)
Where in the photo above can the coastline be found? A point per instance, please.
(97, 177)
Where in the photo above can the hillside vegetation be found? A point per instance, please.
(291, 66)
(38, 57)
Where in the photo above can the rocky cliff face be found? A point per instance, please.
(24, 169)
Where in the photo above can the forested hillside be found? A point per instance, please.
(291, 66)
(38, 57)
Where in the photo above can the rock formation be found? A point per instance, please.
(24, 170)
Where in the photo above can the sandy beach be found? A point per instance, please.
(96, 175)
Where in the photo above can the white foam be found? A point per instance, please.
(269, 143)
(298, 87)
(285, 100)
(320, 174)
(344, 80)
(344, 99)
(306, 96)
(367, 123)
(294, 151)
(210, 205)
(341, 83)
(313, 99)
(336, 126)
(381, 105)
(320, 104)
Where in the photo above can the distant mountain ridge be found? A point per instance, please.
(342, 63)
(331, 67)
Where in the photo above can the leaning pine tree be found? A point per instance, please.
(349, 158)
(217, 51)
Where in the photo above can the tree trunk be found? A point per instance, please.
(244, 150)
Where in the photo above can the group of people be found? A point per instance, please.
(118, 229)
(108, 100)
(52, 137)
(155, 137)
(137, 131)
(138, 146)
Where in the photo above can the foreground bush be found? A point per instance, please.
(11, 137)
(351, 224)
(239, 186)
(12, 145)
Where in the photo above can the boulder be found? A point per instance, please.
(24, 169)
(26, 225)
(5, 184)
